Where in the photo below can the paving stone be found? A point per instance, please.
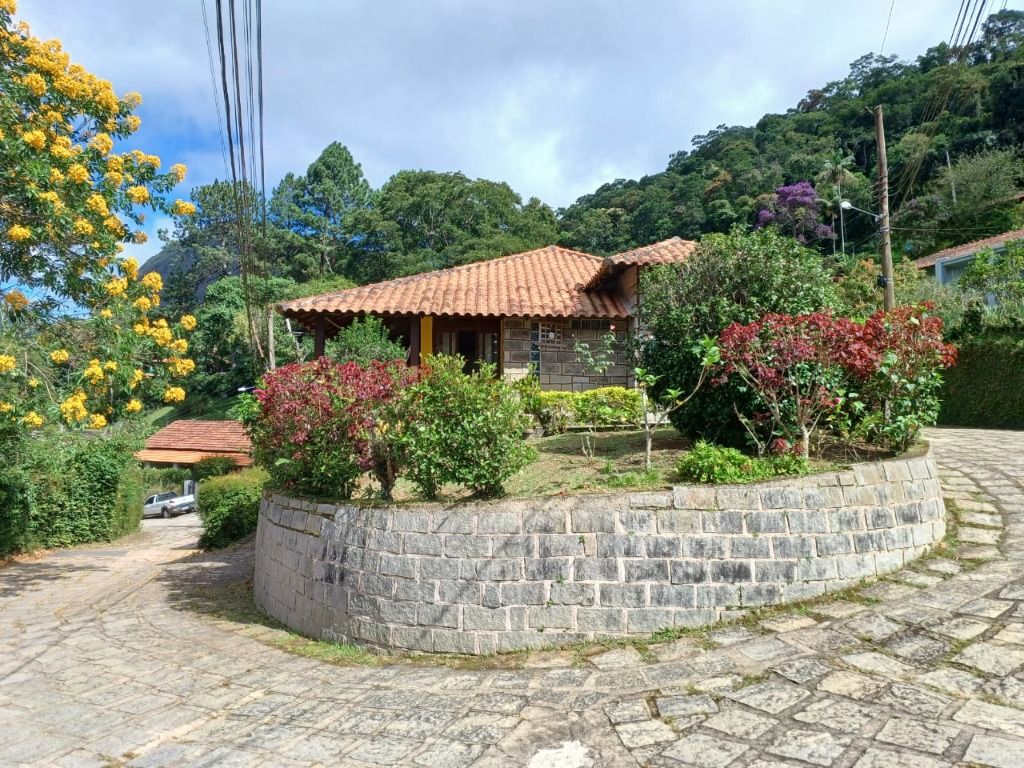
(873, 627)
(383, 750)
(982, 519)
(1012, 592)
(788, 623)
(840, 609)
(1011, 633)
(836, 714)
(675, 650)
(618, 658)
(685, 706)
(732, 635)
(992, 717)
(978, 552)
(961, 628)
(979, 535)
(914, 700)
(771, 697)
(741, 724)
(919, 649)
(879, 664)
(918, 579)
(628, 712)
(851, 684)
(814, 747)
(803, 670)
(887, 758)
(995, 751)
(703, 751)
(954, 681)
(645, 733)
(922, 736)
(991, 659)
(947, 567)
(765, 649)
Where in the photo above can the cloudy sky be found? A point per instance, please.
(554, 97)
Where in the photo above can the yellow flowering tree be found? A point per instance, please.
(81, 339)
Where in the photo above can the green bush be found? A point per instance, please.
(363, 341)
(160, 479)
(986, 386)
(738, 277)
(229, 506)
(707, 463)
(15, 511)
(462, 428)
(606, 406)
(213, 466)
(557, 411)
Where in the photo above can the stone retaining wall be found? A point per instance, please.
(478, 578)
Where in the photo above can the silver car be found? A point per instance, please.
(168, 504)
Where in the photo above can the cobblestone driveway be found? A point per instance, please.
(102, 664)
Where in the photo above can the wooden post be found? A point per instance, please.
(426, 336)
(271, 356)
(414, 341)
(319, 337)
(889, 300)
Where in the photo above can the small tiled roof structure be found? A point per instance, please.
(187, 442)
(545, 282)
(996, 241)
(673, 250)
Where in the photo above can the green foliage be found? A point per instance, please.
(556, 411)
(84, 488)
(606, 406)
(213, 466)
(986, 386)
(737, 277)
(229, 506)
(162, 479)
(16, 500)
(363, 341)
(466, 429)
(708, 463)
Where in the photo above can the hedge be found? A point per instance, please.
(986, 386)
(70, 489)
(604, 406)
(229, 506)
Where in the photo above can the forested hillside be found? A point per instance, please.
(955, 127)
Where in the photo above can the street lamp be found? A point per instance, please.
(884, 279)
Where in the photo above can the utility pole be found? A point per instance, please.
(883, 183)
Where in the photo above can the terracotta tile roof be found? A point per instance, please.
(188, 457)
(675, 249)
(996, 241)
(542, 283)
(206, 436)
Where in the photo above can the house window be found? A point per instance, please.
(548, 334)
(489, 347)
(535, 349)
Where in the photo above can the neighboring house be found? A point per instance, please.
(947, 265)
(183, 443)
(522, 312)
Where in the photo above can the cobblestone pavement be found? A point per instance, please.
(103, 663)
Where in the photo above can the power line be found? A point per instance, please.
(213, 83)
(888, 21)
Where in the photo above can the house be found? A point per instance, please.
(947, 265)
(523, 313)
(183, 443)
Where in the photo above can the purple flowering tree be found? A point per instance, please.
(796, 210)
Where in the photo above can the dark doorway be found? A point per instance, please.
(466, 346)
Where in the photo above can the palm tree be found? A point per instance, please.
(834, 172)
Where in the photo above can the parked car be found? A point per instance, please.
(168, 504)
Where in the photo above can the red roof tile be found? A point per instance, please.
(542, 283)
(188, 457)
(996, 241)
(205, 436)
(670, 251)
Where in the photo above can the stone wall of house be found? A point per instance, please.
(478, 578)
(549, 346)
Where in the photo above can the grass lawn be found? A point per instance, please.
(561, 467)
(195, 407)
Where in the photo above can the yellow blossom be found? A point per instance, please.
(93, 372)
(97, 203)
(174, 395)
(33, 382)
(162, 336)
(6, 407)
(143, 304)
(35, 83)
(110, 365)
(113, 224)
(106, 314)
(133, 406)
(142, 329)
(53, 199)
(73, 408)
(59, 356)
(181, 366)
(114, 178)
(61, 148)
(188, 322)
(97, 421)
(136, 379)
(138, 194)
(18, 233)
(116, 286)
(102, 143)
(179, 345)
(132, 123)
(35, 139)
(183, 208)
(130, 268)
(115, 163)
(82, 228)
(153, 281)
(16, 300)
(56, 176)
(78, 173)
(178, 170)
(140, 237)
(7, 363)
(132, 99)
(33, 420)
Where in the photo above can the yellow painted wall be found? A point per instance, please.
(426, 336)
